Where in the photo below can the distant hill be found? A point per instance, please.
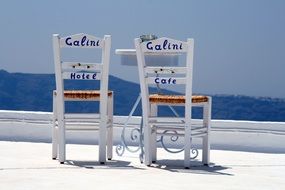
(33, 92)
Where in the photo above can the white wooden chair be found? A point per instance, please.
(103, 120)
(170, 76)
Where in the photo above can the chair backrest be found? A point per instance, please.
(82, 70)
(164, 75)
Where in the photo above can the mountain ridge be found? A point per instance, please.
(33, 92)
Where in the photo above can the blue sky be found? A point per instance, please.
(239, 44)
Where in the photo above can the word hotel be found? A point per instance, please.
(83, 76)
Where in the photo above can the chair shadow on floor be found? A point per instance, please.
(111, 164)
(196, 167)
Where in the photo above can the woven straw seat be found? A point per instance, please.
(84, 94)
(175, 99)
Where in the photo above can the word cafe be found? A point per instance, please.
(165, 80)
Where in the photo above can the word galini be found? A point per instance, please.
(166, 45)
(84, 41)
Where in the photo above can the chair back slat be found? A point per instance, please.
(165, 70)
(81, 66)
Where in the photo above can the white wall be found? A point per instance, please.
(226, 134)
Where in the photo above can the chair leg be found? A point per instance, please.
(153, 146)
(110, 130)
(54, 142)
(54, 130)
(102, 139)
(61, 130)
(110, 142)
(147, 144)
(153, 112)
(187, 147)
(206, 139)
(62, 148)
(206, 150)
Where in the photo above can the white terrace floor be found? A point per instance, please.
(29, 166)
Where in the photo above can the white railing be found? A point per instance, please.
(226, 134)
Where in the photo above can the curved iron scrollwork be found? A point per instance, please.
(136, 135)
(174, 138)
(120, 148)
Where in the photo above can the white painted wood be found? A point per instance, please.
(165, 70)
(153, 112)
(59, 98)
(171, 120)
(81, 66)
(145, 102)
(206, 139)
(110, 130)
(188, 103)
(83, 71)
(103, 99)
(85, 117)
(54, 129)
(86, 127)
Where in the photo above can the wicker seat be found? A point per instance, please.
(84, 94)
(175, 99)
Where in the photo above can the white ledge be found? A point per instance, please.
(226, 134)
